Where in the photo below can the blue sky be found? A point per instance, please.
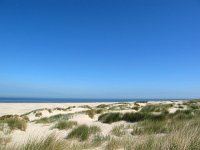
(100, 48)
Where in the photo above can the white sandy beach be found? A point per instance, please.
(35, 130)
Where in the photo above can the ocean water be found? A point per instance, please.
(70, 100)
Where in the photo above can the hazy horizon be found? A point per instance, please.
(100, 49)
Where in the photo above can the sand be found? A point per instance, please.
(43, 130)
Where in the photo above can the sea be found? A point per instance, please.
(73, 100)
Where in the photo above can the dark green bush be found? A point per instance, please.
(110, 117)
(83, 132)
(134, 117)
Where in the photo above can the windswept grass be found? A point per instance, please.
(103, 106)
(114, 144)
(53, 118)
(110, 117)
(64, 125)
(141, 116)
(184, 138)
(15, 123)
(4, 140)
(129, 117)
(83, 132)
(118, 130)
(49, 143)
(38, 114)
(150, 127)
(91, 113)
(156, 108)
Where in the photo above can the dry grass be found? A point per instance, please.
(118, 130)
(53, 118)
(15, 123)
(83, 132)
(64, 125)
(165, 131)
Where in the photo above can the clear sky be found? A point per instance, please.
(100, 48)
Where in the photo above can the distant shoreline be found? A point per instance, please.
(75, 100)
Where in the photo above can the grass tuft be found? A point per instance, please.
(83, 132)
(64, 125)
(53, 118)
(15, 123)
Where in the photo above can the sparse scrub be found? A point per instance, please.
(194, 106)
(98, 140)
(38, 114)
(110, 117)
(49, 110)
(134, 117)
(156, 108)
(150, 127)
(61, 125)
(183, 114)
(99, 111)
(118, 130)
(130, 117)
(83, 132)
(113, 144)
(184, 138)
(94, 129)
(49, 143)
(136, 108)
(115, 108)
(53, 118)
(103, 106)
(86, 106)
(15, 123)
(91, 113)
(4, 140)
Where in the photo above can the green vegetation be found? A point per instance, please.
(136, 108)
(103, 106)
(129, 117)
(4, 140)
(86, 106)
(97, 140)
(150, 127)
(38, 114)
(153, 128)
(53, 118)
(83, 132)
(141, 116)
(118, 130)
(184, 138)
(113, 144)
(49, 143)
(62, 124)
(156, 108)
(110, 117)
(91, 113)
(15, 123)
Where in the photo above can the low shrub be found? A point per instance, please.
(83, 132)
(113, 144)
(15, 123)
(38, 114)
(53, 118)
(91, 113)
(65, 124)
(118, 130)
(130, 117)
(156, 108)
(110, 117)
(102, 106)
(48, 143)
